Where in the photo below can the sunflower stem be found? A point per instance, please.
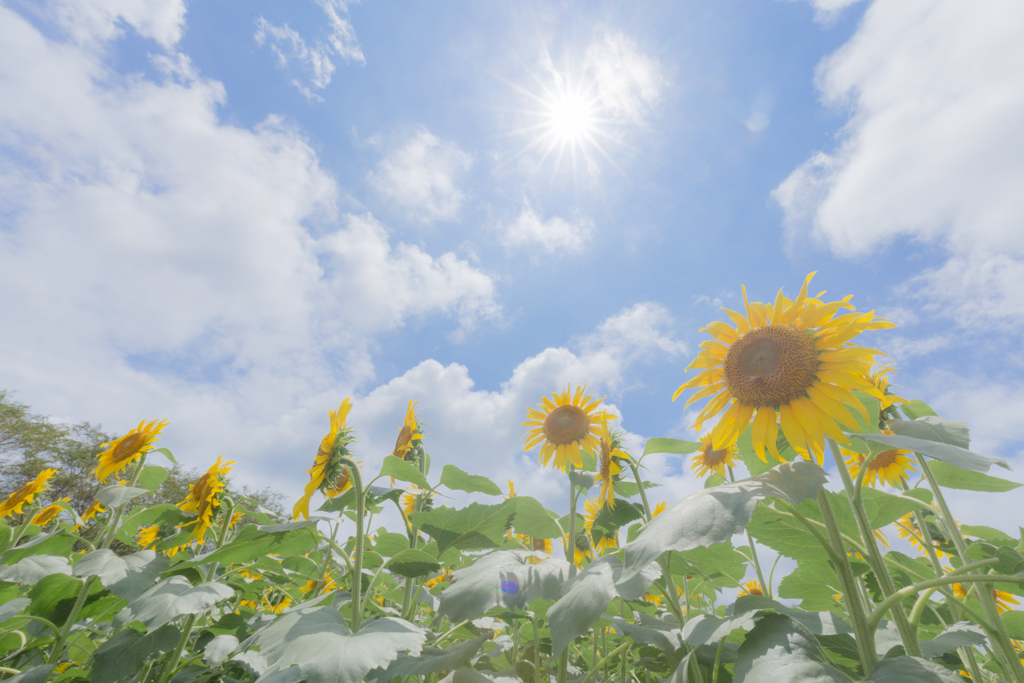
(913, 589)
(357, 569)
(851, 593)
(1000, 637)
(757, 567)
(32, 509)
(874, 556)
(633, 465)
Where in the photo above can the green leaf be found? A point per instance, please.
(152, 476)
(403, 471)
(885, 508)
(218, 649)
(780, 650)
(675, 446)
(586, 596)
(501, 578)
(125, 653)
(113, 496)
(253, 543)
(954, 455)
(412, 563)
(651, 631)
(457, 480)
(13, 607)
(609, 521)
(704, 629)
(755, 465)
(715, 561)
(1014, 622)
(627, 488)
(34, 568)
(911, 670)
(533, 519)
(166, 453)
(36, 674)
(475, 527)
(987, 533)
(127, 577)
(953, 477)
(389, 545)
(916, 409)
(715, 515)
(326, 651)
(814, 582)
(431, 660)
(175, 596)
(303, 565)
(960, 634)
(783, 534)
(57, 543)
(933, 429)
(582, 480)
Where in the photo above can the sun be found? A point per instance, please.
(572, 118)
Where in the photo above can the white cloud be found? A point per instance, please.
(288, 45)
(933, 151)
(420, 177)
(156, 262)
(629, 83)
(92, 21)
(553, 235)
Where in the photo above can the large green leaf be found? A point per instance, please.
(953, 477)
(915, 409)
(113, 496)
(396, 468)
(960, 634)
(456, 479)
(779, 650)
(885, 508)
(755, 465)
(219, 649)
(127, 577)
(651, 631)
(911, 670)
(586, 596)
(718, 561)
(607, 521)
(389, 544)
(674, 446)
(783, 534)
(954, 455)
(814, 581)
(932, 428)
(175, 596)
(57, 543)
(319, 642)
(13, 607)
(34, 568)
(125, 653)
(533, 519)
(475, 527)
(705, 629)
(430, 660)
(53, 596)
(411, 563)
(715, 515)
(253, 543)
(35, 674)
(152, 476)
(502, 578)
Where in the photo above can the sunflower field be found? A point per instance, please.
(216, 589)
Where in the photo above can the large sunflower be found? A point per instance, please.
(203, 497)
(126, 450)
(26, 494)
(591, 509)
(409, 433)
(563, 425)
(608, 451)
(326, 472)
(890, 467)
(788, 364)
(708, 459)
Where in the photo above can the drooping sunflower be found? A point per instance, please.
(327, 469)
(890, 467)
(788, 365)
(204, 496)
(26, 494)
(750, 587)
(708, 459)
(93, 510)
(582, 549)
(608, 451)
(591, 509)
(126, 450)
(416, 500)
(562, 425)
(879, 377)
(148, 535)
(1002, 598)
(444, 577)
(48, 513)
(409, 433)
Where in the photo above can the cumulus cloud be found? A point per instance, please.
(420, 177)
(629, 83)
(552, 235)
(158, 262)
(96, 21)
(933, 151)
(315, 59)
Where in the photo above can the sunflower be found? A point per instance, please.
(789, 364)
(326, 470)
(750, 587)
(416, 500)
(47, 514)
(323, 585)
(203, 497)
(591, 509)
(907, 529)
(409, 432)
(582, 549)
(126, 450)
(608, 451)
(890, 467)
(879, 378)
(708, 459)
(148, 535)
(563, 425)
(90, 512)
(652, 598)
(1002, 598)
(543, 545)
(444, 577)
(26, 494)
(659, 508)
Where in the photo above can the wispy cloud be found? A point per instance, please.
(554, 235)
(629, 83)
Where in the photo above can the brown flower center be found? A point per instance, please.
(566, 424)
(127, 449)
(884, 459)
(770, 366)
(713, 458)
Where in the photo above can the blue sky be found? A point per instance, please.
(234, 215)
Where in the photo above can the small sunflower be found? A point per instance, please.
(563, 425)
(582, 549)
(608, 451)
(126, 450)
(907, 529)
(323, 585)
(544, 545)
(591, 509)
(890, 467)
(787, 365)
(26, 494)
(750, 587)
(90, 512)
(327, 472)
(652, 598)
(444, 577)
(416, 500)
(409, 433)
(48, 513)
(709, 459)
(148, 535)
(880, 379)
(1002, 598)
(203, 497)
(659, 508)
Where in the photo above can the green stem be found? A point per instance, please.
(922, 601)
(874, 556)
(718, 660)
(32, 509)
(357, 570)
(538, 673)
(570, 555)
(112, 533)
(904, 593)
(648, 512)
(611, 655)
(766, 587)
(851, 594)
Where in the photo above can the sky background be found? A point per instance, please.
(236, 214)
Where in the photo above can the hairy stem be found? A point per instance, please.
(357, 569)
